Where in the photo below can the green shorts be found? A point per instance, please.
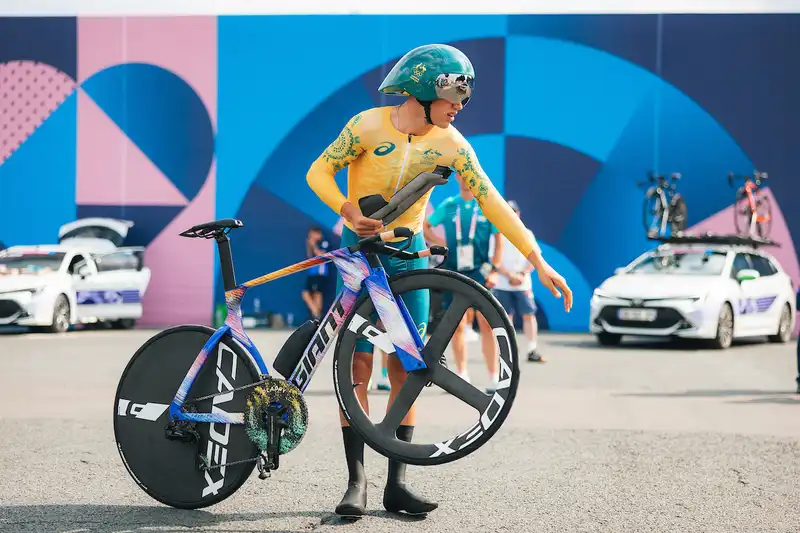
(417, 302)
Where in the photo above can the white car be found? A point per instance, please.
(84, 279)
(718, 292)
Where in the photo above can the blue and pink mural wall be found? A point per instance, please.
(171, 121)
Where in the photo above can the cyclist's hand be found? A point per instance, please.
(366, 227)
(515, 279)
(491, 280)
(555, 281)
(363, 226)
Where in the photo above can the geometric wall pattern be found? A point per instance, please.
(172, 121)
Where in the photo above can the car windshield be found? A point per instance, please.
(693, 263)
(29, 263)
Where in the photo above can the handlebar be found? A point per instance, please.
(375, 206)
(377, 244)
(660, 179)
(757, 177)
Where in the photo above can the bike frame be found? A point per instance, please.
(751, 189)
(359, 271)
(662, 196)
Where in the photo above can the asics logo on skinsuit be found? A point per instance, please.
(385, 148)
(217, 451)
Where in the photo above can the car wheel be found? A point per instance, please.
(608, 339)
(61, 315)
(724, 337)
(784, 326)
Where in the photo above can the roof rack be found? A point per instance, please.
(713, 238)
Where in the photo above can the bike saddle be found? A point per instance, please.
(375, 206)
(208, 229)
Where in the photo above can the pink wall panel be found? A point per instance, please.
(29, 93)
(181, 288)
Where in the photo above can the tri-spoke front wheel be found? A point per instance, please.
(490, 410)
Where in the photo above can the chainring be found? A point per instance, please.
(276, 391)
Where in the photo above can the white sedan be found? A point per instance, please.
(702, 291)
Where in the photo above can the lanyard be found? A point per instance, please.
(473, 223)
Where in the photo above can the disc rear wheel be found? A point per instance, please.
(489, 410)
(167, 469)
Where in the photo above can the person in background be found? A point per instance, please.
(382, 383)
(312, 294)
(467, 235)
(514, 290)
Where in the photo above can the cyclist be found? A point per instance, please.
(384, 148)
(468, 233)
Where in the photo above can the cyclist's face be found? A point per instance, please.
(443, 112)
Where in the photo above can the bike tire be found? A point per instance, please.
(165, 469)
(677, 214)
(741, 212)
(465, 442)
(764, 228)
(648, 215)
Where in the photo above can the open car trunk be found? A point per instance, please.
(95, 233)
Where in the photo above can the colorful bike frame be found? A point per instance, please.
(355, 268)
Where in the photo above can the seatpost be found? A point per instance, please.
(225, 261)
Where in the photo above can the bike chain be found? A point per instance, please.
(206, 466)
(232, 463)
(237, 389)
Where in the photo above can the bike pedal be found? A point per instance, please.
(263, 469)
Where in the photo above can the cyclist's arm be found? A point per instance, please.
(529, 267)
(340, 153)
(494, 206)
(497, 256)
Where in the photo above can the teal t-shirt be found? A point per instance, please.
(445, 214)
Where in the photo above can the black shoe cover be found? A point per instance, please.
(397, 496)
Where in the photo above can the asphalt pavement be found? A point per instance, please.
(648, 437)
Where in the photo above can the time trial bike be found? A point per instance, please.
(663, 206)
(196, 409)
(752, 209)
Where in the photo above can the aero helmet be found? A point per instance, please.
(431, 72)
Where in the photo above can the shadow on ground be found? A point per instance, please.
(113, 518)
(644, 343)
(786, 397)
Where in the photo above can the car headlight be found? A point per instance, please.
(601, 294)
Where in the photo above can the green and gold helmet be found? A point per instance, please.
(431, 72)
